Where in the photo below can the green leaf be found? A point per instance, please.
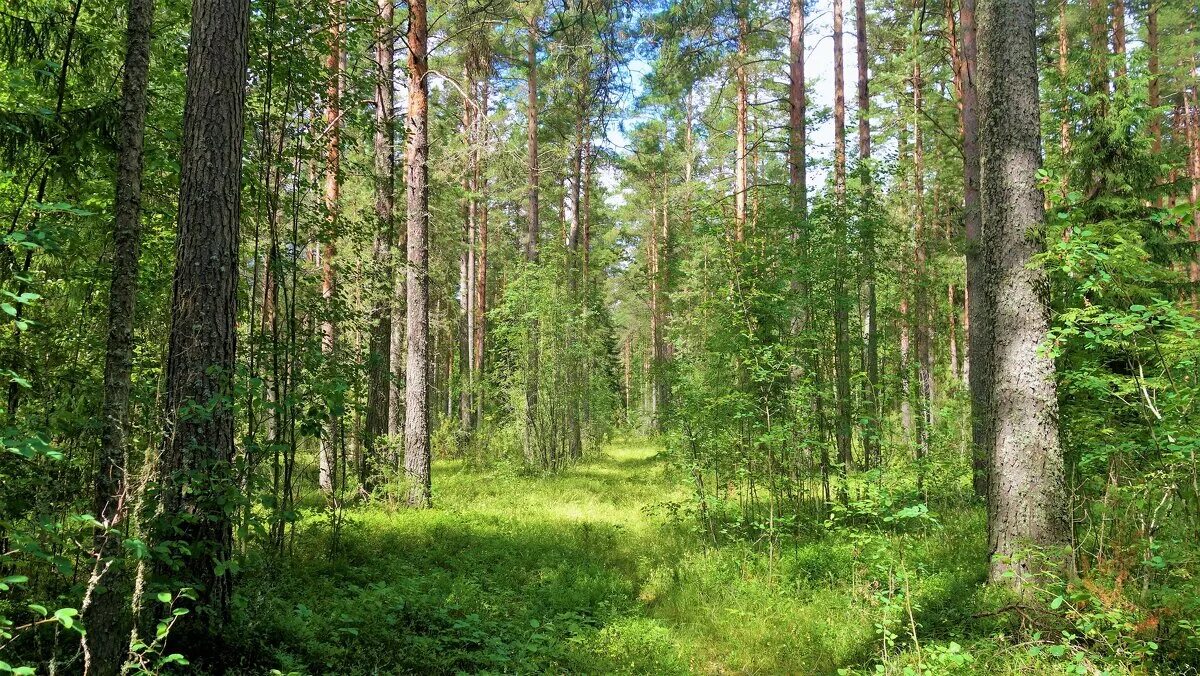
(1058, 601)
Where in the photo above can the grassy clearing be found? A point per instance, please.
(582, 572)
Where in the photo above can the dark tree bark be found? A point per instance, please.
(104, 612)
(416, 410)
(379, 359)
(978, 325)
(196, 464)
(1027, 502)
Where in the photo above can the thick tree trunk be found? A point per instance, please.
(841, 312)
(379, 365)
(104, 612)
(198, 450)
(416, 409)
(1027, 502)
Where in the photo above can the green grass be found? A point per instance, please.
(585, 571)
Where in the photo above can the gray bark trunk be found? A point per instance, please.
(1027, 502)
(103, 608)
(202, 345)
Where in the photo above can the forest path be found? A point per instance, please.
(508, 572)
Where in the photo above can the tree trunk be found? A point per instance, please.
(1027, 502)
(796, 110)
(416, 409)
(327, 462)
(481, 233)
(841, 313)
(922, 310)
(379, 360)
(103, 611)
(198, 449)
(975, 324)
(870, 432)
(531, 241)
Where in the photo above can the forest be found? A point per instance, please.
(599, 336)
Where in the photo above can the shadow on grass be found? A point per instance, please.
(460, 589)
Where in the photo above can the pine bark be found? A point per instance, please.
(103, 610)
(1027, 501)
(416, 408)
(198, 449)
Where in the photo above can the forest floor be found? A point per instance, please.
(590, 570)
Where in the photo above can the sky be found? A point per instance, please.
(818, 72)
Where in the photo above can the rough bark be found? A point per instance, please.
(416, 409)
(796, 109)
(198, 449)
(976, 321)
(1027, 501)
(379, 365)
(103, 612)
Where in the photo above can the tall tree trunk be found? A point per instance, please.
(198, 450)
(416, 409)
(870, 432)
(531, 240)
(1027, 502)
(922, 310)
(976, 323)
(379, 360)
(841, 312)
(103, 612)
(327, 461)
(481, 230)
(797, 101)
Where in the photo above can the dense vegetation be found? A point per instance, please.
(584, 337)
